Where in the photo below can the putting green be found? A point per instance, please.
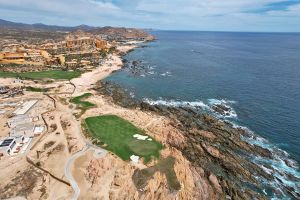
(143, 148)
(117, 136)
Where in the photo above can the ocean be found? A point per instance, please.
(256, 75)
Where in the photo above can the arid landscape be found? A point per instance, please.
(66, 134)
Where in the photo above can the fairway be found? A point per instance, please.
(117, 135)
(35, 89)
(82, 104)
(55, 74)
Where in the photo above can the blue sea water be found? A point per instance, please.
(256, 74)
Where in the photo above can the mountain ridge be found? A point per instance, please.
(19, 25)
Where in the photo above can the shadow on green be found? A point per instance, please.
(165, 166)
(35, 89)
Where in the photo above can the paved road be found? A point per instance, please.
(69, 175)
(99, 153)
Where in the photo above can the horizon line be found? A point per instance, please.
(153, 29)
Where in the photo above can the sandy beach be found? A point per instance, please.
(86, 80)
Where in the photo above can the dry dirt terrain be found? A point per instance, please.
(41, 172)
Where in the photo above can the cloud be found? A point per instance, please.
(104, 4)
(291, 11)
(231, 15)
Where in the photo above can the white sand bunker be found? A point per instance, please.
(142, 137)
(134, 158)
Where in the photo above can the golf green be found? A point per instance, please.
(116, 135)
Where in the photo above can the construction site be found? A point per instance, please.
(20, 122)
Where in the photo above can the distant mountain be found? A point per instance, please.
(85, 27)
(110, 33)
(15, 25)
(4, 23)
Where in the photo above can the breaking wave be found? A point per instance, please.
(174, 103)
(166, 74)
(223, 108)
(219, 108)
(284, 170)
(281, 167)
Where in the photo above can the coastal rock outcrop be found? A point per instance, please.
(214, 148)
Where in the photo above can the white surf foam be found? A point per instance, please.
(281, 164)
(280, 168)
(132, 95)
(231, 113)
(166, 74)
(220, 101)
(174, 103)
(198, 105)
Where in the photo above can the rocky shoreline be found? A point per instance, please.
(204, 157)
(213, 147)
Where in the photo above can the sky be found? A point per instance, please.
(203, 15)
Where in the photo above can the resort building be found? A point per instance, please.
(12, 57)
(71, 64)
(85, 62)
(82, 41)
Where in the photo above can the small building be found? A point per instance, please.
(48, 46)
(38, 130)
(71, 64)
(34, 54)
(85, 62)
(7, 145)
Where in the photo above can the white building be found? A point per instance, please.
(7, 145)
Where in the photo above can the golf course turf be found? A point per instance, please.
(54, 74)
(116, 135)
(82, 104)
(35, 89)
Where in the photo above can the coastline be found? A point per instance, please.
(156, 113)
(196, 141)
(258, 151)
